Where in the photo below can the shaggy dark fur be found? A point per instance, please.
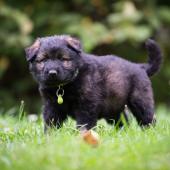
(94, 87)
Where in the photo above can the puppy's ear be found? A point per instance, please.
(32, 51)
(74, 44)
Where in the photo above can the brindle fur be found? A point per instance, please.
(103, 86)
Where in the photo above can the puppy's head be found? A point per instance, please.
(54, 60)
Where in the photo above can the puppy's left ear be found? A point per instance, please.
(74, 44)
(32, 51)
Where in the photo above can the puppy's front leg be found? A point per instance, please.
(85, 123)
(52, 116)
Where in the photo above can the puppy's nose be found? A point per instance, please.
(52, 73)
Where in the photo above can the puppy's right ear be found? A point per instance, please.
(32, 51)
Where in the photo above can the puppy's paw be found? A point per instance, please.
(91, 137)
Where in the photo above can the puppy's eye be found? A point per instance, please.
(66, 58)
(39, 61)
(42, 58)
(63, 57)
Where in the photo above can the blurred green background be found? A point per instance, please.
(104, 27)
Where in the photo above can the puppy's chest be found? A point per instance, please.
(70, 99)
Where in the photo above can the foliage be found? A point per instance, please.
(117, 27)
(23, 145)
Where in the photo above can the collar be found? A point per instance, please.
(60, 90)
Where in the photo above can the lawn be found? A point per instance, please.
(23, 146)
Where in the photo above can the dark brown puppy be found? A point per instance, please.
(92, 87)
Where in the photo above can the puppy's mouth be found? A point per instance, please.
(55, 81)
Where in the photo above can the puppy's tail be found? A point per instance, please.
(155, 58)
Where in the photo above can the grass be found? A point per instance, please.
(24, 146)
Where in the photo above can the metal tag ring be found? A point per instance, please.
(60, 91)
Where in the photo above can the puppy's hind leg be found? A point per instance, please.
(141, 103)
(120, 119)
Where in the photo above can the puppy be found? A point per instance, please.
(88, 87)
